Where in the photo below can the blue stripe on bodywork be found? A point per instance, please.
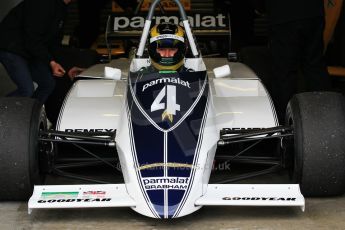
(157, 199)
(201, 135)
(175, 197)
(136, 162)
(183, 140)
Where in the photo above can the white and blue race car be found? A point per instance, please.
(165, 129)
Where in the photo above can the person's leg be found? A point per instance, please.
(285, 54)
(18, 70)
(313, 64)
(42, 75)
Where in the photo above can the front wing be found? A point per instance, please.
(80, 196)
(252, 195)
(115, 195)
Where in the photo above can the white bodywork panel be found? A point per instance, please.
(240, 100)
(92, 104)
(242, 104)
(253, 195)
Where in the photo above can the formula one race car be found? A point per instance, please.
(165, 128)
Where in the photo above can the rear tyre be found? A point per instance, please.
(318, 120)
(20, 122)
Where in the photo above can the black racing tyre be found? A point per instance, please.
(318, 121)
(20, 122)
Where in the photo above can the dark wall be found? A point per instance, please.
(6, 5)
(87, 18)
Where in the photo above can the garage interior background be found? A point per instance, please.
(86, 23)
(248, 24)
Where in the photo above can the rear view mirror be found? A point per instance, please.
(223, 71)
(112, 73)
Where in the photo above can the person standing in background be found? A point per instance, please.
(28, 36)
(297, 46)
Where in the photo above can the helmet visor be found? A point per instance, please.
(168, 43)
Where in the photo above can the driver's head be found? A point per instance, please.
(167, 46)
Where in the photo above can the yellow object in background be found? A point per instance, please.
(168, 5)
(332, 12)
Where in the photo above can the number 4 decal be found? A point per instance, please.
(171, 106)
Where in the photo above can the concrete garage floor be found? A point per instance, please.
(325, 213)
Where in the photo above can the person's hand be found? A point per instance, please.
(75, 71)
(57, 69)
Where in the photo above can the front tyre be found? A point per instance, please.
(20, 122)
(318, 121)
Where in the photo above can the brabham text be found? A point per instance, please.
(157, 183)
